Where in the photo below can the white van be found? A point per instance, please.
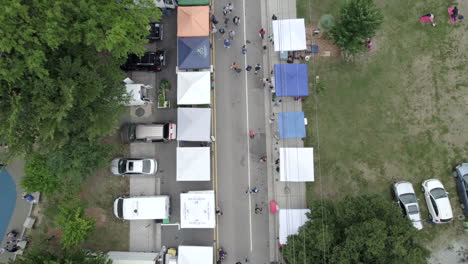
(142, 208)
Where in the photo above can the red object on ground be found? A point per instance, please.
(251, 133)
(273, 207)
(425, 19)
(450, 11)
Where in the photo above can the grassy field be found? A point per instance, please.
(398, 112)
(98, 194)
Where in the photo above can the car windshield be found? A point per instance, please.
(120, 208)
(438, 193)
(408, 198)
(122, 165)
(146, 166)
(413, 209)
(465, 180)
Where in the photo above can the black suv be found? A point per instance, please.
(151, 61)
(156, 31)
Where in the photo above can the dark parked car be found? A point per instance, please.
(156, 31)
(461, 176)
(151, 61)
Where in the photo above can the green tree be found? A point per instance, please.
(363, 229)
(74, 224)
(358, 20)
(32, 29)
(67, 257)
(38, 176)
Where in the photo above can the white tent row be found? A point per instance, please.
(194, 124)
(197, 209)
(193, 88)
(195, 255)
(290, 220)
(289, 34)
(193, 164)
(297, 164)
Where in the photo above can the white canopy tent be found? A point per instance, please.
(195, 255)
(120, 257)
(193, 124)
(289, 34)
(197, 209)
(290, 220)
(297, 164)
(193, 88)
(193, 164)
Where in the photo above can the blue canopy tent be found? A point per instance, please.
(291, 125)
(291, 80)
(193, 53)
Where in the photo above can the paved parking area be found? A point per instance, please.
(147, 235)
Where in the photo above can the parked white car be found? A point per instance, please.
(405, 197)
(134, 166)
(142, 208)
(437, 201)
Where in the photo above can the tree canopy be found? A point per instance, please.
(358, 20)
(363, 229)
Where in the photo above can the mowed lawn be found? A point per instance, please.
(396, 113)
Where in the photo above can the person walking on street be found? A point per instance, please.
(232, 34)
(221, 31)
(233, 66)
(257, 68)
(263, 159)
(236, 20)
(251, 134)
(244, 50)
(248, 68)
(225, 10)
(214, 29)
(261, 33)
(230, 8)
(214, 20)
(226, 21)
(227, 43)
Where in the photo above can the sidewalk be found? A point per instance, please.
(286, 194)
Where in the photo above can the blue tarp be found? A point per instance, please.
(291, 125)
(291, 80)
(194, 53)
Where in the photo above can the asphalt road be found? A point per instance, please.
(240, 108)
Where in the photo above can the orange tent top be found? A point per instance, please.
(193, 21)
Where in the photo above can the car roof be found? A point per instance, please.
(148, 207)
(137, 165)
(463, 169)
(149, 131)
(445, 210)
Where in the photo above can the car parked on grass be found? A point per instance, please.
(405, 197)
(156, 31)
(460, 173)
(154, 132)
(151, 61)
(134, 166)
(438, 203)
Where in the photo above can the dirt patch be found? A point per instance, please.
(53, 236)
(98, 214)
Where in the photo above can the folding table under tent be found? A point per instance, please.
(296, 164)
(291, 125)
(193, 21)
(291, 80)
(195, 255)
(193, 164)
(193, 53)
(193, 88)
(193, 2)
(194, 124)
(289, 34)
(290, 220)
(197, 209)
